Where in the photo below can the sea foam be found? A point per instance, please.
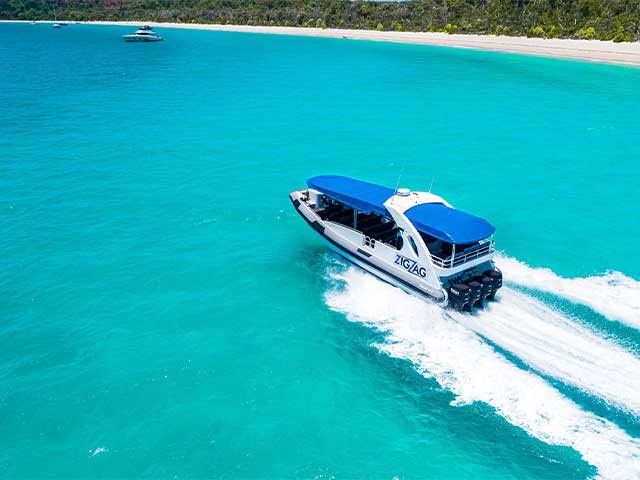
(559, 346)
(613, 295)
(462, 362)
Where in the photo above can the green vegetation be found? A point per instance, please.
(451, 28)
(617, 20)
(586, 33)
(501, 30)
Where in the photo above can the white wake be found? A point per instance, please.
(613, 295)
(462, 362)
(558, 346)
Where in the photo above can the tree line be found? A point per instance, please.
(617, 20)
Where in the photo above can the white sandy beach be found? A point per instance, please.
(585, 50)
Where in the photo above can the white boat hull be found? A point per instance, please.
(141, 38)
(382, 275)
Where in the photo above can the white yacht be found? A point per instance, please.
(414, 240)
(143, 34)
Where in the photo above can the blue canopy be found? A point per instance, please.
(435, 219)
(448, 224)
(363, 196)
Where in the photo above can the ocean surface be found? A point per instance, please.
(164, 313)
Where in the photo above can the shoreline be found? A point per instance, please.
(595, 51)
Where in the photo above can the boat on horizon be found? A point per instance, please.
(143, 34)
(414, 240)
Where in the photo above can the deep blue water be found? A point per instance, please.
(165, 313)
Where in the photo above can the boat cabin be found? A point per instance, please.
(146, 30)
(452, 237)
(372, 225)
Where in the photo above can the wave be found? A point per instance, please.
(556, 345)
(613, 295)
(463, 363)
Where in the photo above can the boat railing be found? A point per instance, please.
(463, 257)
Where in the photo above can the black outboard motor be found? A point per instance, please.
(459, 296)
(475, 293)
(496, 278)
(486, 289)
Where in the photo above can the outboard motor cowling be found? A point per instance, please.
(496, 278)
(475, 292)
(486, 289)
(459, 296)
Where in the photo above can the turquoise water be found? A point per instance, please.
(165, 313)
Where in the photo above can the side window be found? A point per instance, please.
(413, 245)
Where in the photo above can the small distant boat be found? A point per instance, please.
(414, 240)
(57, 25)
(144, 34)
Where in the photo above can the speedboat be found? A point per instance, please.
(57, 25)
(414, 240)
(143, 34)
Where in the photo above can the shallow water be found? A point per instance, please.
(166, 313)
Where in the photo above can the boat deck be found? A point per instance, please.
(370, 225)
